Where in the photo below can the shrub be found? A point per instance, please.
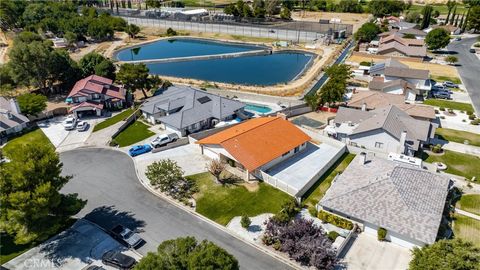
(442, 117)
(469, 112)
(472, 117)
(475, 122)
(332, 235)
(171, 32)
(289, 210)
(335, 220)
(313, 211)
(365, 63)
(303, 241)
(381, 234)
(442, 109)
(436, 112)
(464, 120)
(245, 222)
(450, 111)
(436, 149)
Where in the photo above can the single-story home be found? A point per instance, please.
(396, 45)
(11, 118)
(371, 100)
(185, 110)
(385, 130)
(377, 193)
(274, 150)
(395, 77)
(95, 94)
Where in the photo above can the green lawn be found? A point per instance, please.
(113, 120)
(467, 228)
(136, 132)
(455, 80)
(457, 163)
(449, 104)
(10, 250)
(470, 203)
(36, 135)
(222, 203)
(458, 136)
(317, 191)
(441, 8)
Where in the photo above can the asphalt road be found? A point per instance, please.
(469, 69)
(107, 179)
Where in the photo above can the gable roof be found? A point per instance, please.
(10, 116)
(97, 84)
(375, 100)
(413, 31)
(404, 48)
(394, 68)
(379, 84)
(187, 106)
(392, 195)
(390, 119)
(395, 37)
(258, 141)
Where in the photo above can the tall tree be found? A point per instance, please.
(474, 18)
(452, 19)
(427, 15)
(31, 206)
(334, 89)
(187, 253)
(446, 255)
(134, 77)
(437, 38)
(95, 63)
(271, 7)
(132, 30)
(450, 5)
(367, 32)
(32, 104)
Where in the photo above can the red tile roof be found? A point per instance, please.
(87, 104)
(99, 85)
(258, 141)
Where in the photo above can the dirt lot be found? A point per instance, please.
(348, 18)
(435, 69)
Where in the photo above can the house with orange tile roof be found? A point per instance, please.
(274, 150)
(95, 94)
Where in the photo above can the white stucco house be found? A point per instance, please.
(11, 118)
(377, 193)
(396, 78)
(386, 130)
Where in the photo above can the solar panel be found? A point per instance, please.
(204, 99)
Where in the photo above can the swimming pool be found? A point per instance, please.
(260, 109)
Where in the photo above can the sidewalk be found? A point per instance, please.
(462, 148)
(468, 214)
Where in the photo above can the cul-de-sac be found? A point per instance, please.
(240, 134)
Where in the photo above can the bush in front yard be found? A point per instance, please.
(381, 234)
(472, 117)
(335, 220)
(332, 235)
(303, 241)
(475, 122)
(442, 109)
(437, 148)
(167, 176)
(289, 210)
(245, 222)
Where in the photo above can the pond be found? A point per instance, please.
(169, 48)
(264, 70)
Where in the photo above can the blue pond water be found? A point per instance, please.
(180, 48)
(248, 70)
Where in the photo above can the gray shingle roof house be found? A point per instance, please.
(11, 119)
(388, 129)
(187, 110)
(376, 192)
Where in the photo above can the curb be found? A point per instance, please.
(216, 225)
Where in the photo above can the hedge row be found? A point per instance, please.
(335, 220)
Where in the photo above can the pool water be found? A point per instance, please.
(169, 48)
(260, 109)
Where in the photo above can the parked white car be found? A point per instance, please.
(82, 126)
(163, 139)
(70, 123)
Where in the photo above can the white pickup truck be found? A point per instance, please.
(164, 139)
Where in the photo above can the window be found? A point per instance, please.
(284, 154)
(296, 149)
(378, 145)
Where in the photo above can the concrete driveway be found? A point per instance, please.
(81, 245)
(188, 157)
(107, 179)
(367, 253)
(65, 139)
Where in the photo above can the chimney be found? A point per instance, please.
(364, 106)
(14, 106)
(403, 138)
(362, 158)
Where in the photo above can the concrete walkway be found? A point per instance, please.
(462, 148)
(468, 214)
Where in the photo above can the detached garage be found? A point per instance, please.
(406, 201)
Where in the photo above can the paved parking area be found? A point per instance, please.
(188, 157)
(81, 245)
(64, 139)
(366, 252)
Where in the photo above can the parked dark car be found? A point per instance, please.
(127, 236)
(94, 267)
(118, 260)
(441, 94)
(139, 149)
(450, 84)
